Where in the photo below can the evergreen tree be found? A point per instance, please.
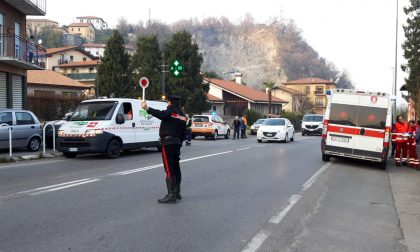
(114, 73)
(146, 63)
(412, 49)
(190, 82)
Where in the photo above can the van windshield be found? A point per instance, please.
(360, 116)
(313, 118)
(94, 111)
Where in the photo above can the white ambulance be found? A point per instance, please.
(109, 126)
(357, 124)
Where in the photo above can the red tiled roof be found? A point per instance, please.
(311, 80)
(80, 63)
(94, 45)
(60, 49)
(244, 91)
(80, 25)
(289, 90)
(48, 77)
(213, 98)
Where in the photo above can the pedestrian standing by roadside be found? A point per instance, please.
(411, 145)
(400, 129)
(236, 128)
(189, 131)
(243, 130)
(172, 133)
(418, 132)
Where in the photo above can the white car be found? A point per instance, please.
(256, 125)
(276, 129)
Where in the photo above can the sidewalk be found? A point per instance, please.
(405, 185)
(22, 154)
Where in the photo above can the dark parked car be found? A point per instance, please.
(25, 126)
(49, 131)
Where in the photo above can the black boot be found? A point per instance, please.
(178, 188)
(170, 198)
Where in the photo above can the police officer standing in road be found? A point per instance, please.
(172, 133)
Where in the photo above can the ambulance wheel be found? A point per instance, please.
(325, 157)
(382, 165)
(69, 154)
(114, 149)
(227, 134)
(215, 135)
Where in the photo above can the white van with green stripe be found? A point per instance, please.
(109, 126)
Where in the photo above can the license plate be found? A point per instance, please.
(270, 135)
(73, 149)
(340, 139)
(198, 125)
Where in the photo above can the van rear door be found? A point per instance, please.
(341, 128)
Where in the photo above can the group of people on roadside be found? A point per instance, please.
(239, 127)
(405, 136)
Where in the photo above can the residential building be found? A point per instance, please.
(216, 104)
(47, 82)
(96, 50)
(72, 40)
(34, 26)
(293, 97)
(238, 97)
(84, 72)
(315, 90)
(17, 53)
(97, 22)
(84, 30)
(63, 55)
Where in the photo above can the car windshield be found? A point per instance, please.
(274, 122)
(260, 121)
(313, 118)
(94, 111)
(200, 119)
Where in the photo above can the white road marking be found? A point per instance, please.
(64, 187)
(256, 241)
(315, 176)
(26, 164)
(48, 187)
(292, 201)
(136, 170)
(211, 155)
(246, 148)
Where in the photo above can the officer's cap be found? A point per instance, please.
(174, 98)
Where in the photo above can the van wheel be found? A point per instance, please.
(303, 134)
(34, 144)
(325, 157)
(215, 135)
(227, 134)
(69, 154)
(114, 149)
(193, 137)
(382, 165)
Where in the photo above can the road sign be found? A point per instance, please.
(176, 68)
(144, 82)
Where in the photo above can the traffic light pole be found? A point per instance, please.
(163, 71)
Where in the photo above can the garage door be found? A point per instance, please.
(17, 91)
(3, 91)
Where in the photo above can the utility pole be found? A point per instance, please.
(163, 71)
(394, 88)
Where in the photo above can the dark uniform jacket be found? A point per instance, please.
(172, 126)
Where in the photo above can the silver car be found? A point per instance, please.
(25, 126)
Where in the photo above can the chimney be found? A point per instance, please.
(238, 77)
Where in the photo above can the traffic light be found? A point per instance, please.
(176, 68)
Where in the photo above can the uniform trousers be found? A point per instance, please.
(170, 157)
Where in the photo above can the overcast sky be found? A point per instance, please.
(357, 35)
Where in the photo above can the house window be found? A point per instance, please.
(78, 29)
(319, 90)
(69, 94)
(84, 59)
(43, 93)
(319, 102)
(71, 29)
(71, 57)
(307, 90)
(214, 108)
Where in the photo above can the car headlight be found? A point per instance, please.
(252, 127)
(93, 132)
(60, 133)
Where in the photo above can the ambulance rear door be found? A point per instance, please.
(371, 122)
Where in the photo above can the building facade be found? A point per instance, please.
(315, 90)
(293, 97)
(34, 26)
(97, 22)
(84, 30)
(47, 82)
(63, 55)
(17, 53)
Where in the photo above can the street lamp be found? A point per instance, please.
(394, 88)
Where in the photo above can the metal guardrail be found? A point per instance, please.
(10, 137)
(16, 47)
(40, 4)
(43, 136)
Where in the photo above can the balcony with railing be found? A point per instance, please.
(319, 92)
(319, 105)
(30, 7)
(21, 53)
(82, 76)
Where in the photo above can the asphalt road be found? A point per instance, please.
(238, 195)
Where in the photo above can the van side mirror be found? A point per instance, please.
(120, 119)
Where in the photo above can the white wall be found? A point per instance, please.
(216, 91)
